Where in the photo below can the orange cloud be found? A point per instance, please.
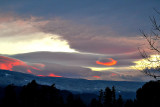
(41, 76)
(53, 75)
(97, 76)
(29, 71)
(50, 75)
(7, 63)
(112, 62)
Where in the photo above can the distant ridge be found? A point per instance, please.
(76, 85)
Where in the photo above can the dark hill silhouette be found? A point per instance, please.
(78, 86)
(36, 95)
(149, 94)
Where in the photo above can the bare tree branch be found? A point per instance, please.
(152, 67)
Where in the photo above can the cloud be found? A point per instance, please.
(12, 25)
(74, 59)
(93, 43)
(42, 69)
(93, 39)
(19, 35)
(18, 31)
(74, 65)
(123, 16)
(97, 77)
(8, 63)
(112, 62)
(60, 70)
(95, 28)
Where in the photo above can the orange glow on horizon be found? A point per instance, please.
(50, 75)
(41, 76)
(53, 75)
(29, 71)
(97, 76)
(111, 63)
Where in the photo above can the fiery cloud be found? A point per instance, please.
(7, 63)
(112, 62)
(50, 75)
(53, 75)
(29, 71)
(97, 77)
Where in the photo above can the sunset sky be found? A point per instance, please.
(90, 39)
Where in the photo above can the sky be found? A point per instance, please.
(89, 39)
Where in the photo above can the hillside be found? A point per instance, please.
(73, 85)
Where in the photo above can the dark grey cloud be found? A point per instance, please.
(125, 17)
(89, 26)
(91, 39)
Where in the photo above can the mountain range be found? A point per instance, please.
(78, 86)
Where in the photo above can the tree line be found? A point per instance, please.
(35, 95)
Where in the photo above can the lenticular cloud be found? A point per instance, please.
(111, 63)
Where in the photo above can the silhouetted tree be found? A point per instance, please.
(70, 101)
(152, 68)
(148, 95)
(129, 103)
(10, 98)
(56, 98)
(108, 97)
(35, 95)
(119, 102)
(113, 96)
(101, 96)
(29, 94)
(95, 103)
(79, 102)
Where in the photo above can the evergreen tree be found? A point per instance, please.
(113, 96)
(55, 97)
(119, 101)
(29, 95)
(100, 96)
(70, 101)
(107, 97)
(79, 102)
(10, 98)
(95, 103)
(129, 103)
(148, 95)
